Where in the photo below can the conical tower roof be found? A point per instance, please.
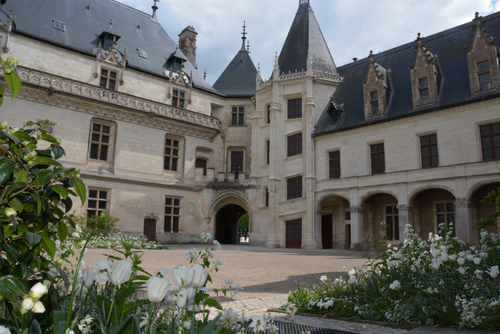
(305, 35)
(238, 79)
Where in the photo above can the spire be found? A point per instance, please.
(244, 37)
(306, 39)
(155, 8)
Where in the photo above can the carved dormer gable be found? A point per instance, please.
(335, 112)
(423, 75)
(482, 58)
(180, 87)
(112, 56)
(374, 89)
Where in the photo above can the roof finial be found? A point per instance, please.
(205, 74)
(244, 33)
(303, 2)
(155, 8)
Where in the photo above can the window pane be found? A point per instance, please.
(94, 148)
(174, 164)
(92, 193)
(96, 127)
(112, 75)
(105, 129)
(495, 128)
(298, 231)
(168, 210)
(104, 73)
(440, 207)
(102, 205)
(177, 202)
(483, 65)
(104, 153)
(105, 139)
(374, 95)
(450, 207)
(103, 194)
(423, 82)
(168, 201)
(92, 204)
(388, 209)
(95, 137)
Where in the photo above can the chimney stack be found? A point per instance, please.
(187, 44)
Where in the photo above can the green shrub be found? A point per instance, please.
(104, 226)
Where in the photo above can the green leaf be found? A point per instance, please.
(10, 288)
(212, 303)
(32, 238)
(12, 137)
(35, 326)
(22, 176)
(16, 204)
(45, 161)
(210, 327)
(62, 231)
(45, 176)
(63, 192)
(14, 187)
(12, 252)
(58, 151)
(1, 94)
(45, 153)
(80, 190)
(48, 245)
(49, 138)
(14, 83)
(5, 172)
(23, 136)
(8, 230)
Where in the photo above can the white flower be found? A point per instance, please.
(228, 317)
(186, 295)
(477, 260)
(206, 236)
(122, 272)
(461, 270)
(218, 262)
(444, 257)
(28, 304)
(493, 271)
(38, 290)
(470, 257)
(395, 285)
(38, 307)
(157, 288)
(4, 330)
(217, 244)
(436, 263)
(229, 281)
(461, 261)
(352, 272)
(323, 278)
(103, 268)
(435, 252)
(200, 275)
(191, 254)
(291, 309)
(182, 276)
(70, 331)
(258, 324)
(453, 257)
(88, 277)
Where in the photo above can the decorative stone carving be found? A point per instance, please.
(311, 184)
(273, 186)
(423, 75)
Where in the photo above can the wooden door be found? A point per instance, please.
(150, 229)
(294, 233)
(327, 231)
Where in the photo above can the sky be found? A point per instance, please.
(351, 27)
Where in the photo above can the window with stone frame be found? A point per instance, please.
(429, 151)
(178, 98)
(101, 140)
(237, 163)
(294, 108)
(172, 214)
(445, 214)
(294, 144)
(423, 90)
(294, 187)
(482, 59)
(237, 116)
(490, 141)
(201, 163)
(171, 154)
(377, 158)
(392, 222)
(334, 164)
(108, 79)
(483, 74)
(97, 201)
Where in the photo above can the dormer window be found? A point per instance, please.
(108, 79)
(107, 39)
(374, 103)
(375, 92)
(334, 111)
(482, 58)
(483, 73)
(59, 25)
(423, 88)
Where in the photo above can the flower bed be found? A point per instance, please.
(442, 282)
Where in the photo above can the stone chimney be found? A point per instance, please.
(187, 43)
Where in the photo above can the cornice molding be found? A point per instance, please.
(115, 105)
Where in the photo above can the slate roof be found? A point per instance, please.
(305, 34)
(449, 50)
(239, 77)
(85, 20)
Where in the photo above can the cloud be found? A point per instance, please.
(351, 28)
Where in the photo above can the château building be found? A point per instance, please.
(317, 155)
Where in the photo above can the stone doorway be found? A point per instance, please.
(150, 229)
(226, 223)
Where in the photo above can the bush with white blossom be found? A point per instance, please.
(441, 282)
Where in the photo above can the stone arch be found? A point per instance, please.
(370, 193)
(333, 227)
(417, 191)
(380, 206)
(476, 186)
(482, 210)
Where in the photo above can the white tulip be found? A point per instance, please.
(103, 268)
(395, 285)
(186, 295)
(157, 288)
(38, 307)
(199, 274)
(122, 272)
(4, 330)
(493, 271)
(88, 276)
(183, 276)
(38, 290)
(477, 260)
(461, 270)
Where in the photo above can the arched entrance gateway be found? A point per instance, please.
(226, 223)
(226, 211)
(335, 222)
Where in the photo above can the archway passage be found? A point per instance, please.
(226, 223)
(335, 222)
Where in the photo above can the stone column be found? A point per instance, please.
(463, 220)
(310, 241)
(405, 213)
(272, 234)
(356, 226)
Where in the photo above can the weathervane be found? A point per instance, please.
(244, 33)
